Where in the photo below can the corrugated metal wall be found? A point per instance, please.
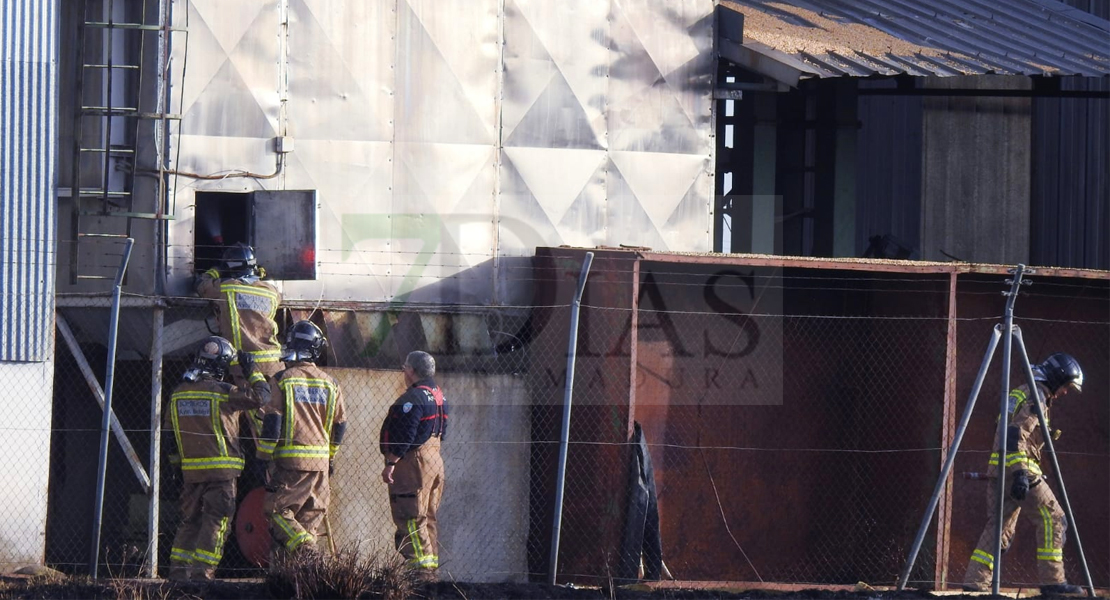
(28, 47)
(888, 192)
(1070, 220)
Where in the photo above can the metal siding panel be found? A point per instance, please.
(1071, 194)
(889, 166)
(28, 44)
(447, 107)
(660, 190)
(555, 95)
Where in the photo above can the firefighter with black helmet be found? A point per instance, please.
(1058, 375)
(410, 442)
(302, 430)
(203, 418)
(246, 307)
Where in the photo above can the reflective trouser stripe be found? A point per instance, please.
(1051, 554)
(428, 562)
(181, 555)
(213, 557)
(295, 539)
(414, 538)
(1046, 519)
(420, 558)
(983, 557)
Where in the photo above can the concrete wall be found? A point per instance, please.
(484, 515)
(24, 460)
(975, 173)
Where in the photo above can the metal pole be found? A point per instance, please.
(1004, 422)
(951, 457)
(105, 423)
(1047, 435)
(155, 439)
(564, 437)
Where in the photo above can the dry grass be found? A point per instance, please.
(311, 576)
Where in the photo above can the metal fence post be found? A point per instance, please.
(105, 423)
(155, 439)
(1004, 421)
(564, 437)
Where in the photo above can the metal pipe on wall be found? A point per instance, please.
(105, 423)
(564, 437)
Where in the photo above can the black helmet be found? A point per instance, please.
(304, 341)
(239, 261)
(213, 359)
(1058, 370)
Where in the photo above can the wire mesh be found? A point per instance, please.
(794, 419)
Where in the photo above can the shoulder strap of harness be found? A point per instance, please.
(437, 395)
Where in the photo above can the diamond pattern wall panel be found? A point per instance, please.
(442, 135)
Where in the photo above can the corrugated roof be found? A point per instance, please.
(833, 38)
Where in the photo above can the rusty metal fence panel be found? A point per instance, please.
(795, 418)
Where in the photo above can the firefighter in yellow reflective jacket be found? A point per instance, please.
(203, 415)
(246, 307)
(302, 429)
(1055, 377)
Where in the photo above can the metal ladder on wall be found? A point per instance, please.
(108, 125)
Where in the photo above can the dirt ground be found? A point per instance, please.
(32, 588)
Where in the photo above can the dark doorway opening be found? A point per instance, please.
(222, 219)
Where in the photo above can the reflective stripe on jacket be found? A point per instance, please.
(1026, 453)
(246, 310)
(204, 419)
(310, 404)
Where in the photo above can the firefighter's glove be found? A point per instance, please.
(1056, 433)
(1020, 487)
(246, 363)
(261, 272)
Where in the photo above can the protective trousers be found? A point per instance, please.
(296, 502)
(206, 510)
(1043, 512)
(414, 498)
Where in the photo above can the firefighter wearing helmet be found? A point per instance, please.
(203, 422)
(1057, 376)
(246, 307)
(302, 430)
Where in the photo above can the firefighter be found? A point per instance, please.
(246, 307)
(302, 430)
(410, 441)
(203, 416)
(1055, 377)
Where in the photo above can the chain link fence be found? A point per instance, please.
(795, 419)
